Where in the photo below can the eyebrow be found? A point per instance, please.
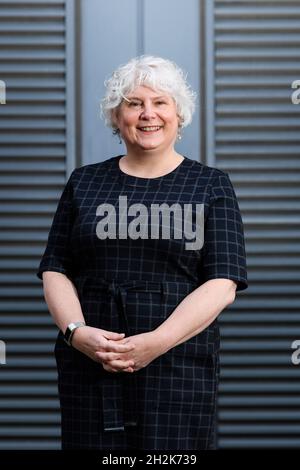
(140, 99)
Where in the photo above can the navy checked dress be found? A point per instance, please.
(132, 285)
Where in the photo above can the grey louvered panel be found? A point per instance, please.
(257, 141)
(256, 373)
(41, 374)
(10, 391)
(49, 152)
(267, 401)
(35, 151)
(34, 179)
(28, 404)
(33, 194)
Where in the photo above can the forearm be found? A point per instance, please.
(62, 299)
(195, 313)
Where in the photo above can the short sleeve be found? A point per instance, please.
(57, 255)
(224, 246)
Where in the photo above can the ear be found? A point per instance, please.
(114, 117)
(180, 120)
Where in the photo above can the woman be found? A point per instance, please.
(137, 302)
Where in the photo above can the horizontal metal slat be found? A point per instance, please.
(43, 67)
(14, 41)
(261, 53)
(272, 25)
(28, 348)
(39, 443)
(9, 278)
(262, 360)
(54, 54)
(16, 377)
(261, 317)
(254, 124)
(33, 179)
(29, 404)
(34, 83)
(23, 418)
(253, 373)
(9, 125)
(248, 165)
(35, 96)
(24, 363)
(249, 428)
(259, 443)
(35, 139)
(38, 14)
(47, 430)
(39, 391)
(236, 67)
(257, 11)
(21, 28)
(256, 401)
(49, 110)
(40, 3)
(263, 387)
(262, 39)
(15, 166)
(47, 329)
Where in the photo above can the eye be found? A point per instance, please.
(134, 104)
(160, 102)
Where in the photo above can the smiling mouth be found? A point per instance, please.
(150, 129)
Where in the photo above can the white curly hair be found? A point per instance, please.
(156, 73)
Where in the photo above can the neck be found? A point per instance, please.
(150, 161)
(146, 165)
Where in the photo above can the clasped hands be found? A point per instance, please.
(115, 352)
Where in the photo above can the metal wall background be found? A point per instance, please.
(254, 136)
(35, 137)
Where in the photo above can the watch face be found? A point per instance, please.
(67, 334)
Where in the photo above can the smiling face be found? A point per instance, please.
(148, 121)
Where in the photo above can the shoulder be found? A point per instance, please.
(214, 182)
(93, 168)
(211, 175)
(84, 175)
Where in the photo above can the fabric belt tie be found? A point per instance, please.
(122, 386)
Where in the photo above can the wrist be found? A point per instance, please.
(70, 331)
(161, 341)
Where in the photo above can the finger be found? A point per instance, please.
(112, 335)
(129, 369)
(110, 369)
(116, 365)
(123, 340)
(120, 365)
(107, 356)
(117, 347)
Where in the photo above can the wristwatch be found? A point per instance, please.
(70, 331)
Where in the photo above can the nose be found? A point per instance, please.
(148, 111)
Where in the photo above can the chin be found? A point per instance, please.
(149, 147)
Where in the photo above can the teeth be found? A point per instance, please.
(156, 128)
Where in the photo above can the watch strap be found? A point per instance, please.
(70, 331)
